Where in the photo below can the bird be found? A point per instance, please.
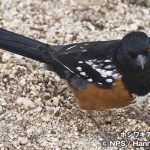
(103, 74)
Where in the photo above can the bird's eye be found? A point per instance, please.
(148, 49)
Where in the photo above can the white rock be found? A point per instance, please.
(39, 102)
(27, 103)
(6, 56)
(65, 2)
(2, 102)
(55, 100)
(5, 80)
(133, 27)
(86, 3)
(18, 56)
(38, 109)
(23, 140)
(22, 82)
(30, 132)
(1, 109)
(57, 78)
(20, 101)
(19, 117)
(73, 3)
(46, 118)
(145, 11)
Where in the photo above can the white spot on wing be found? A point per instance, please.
(109, 73)
(95, 60)
(109, 80)
(99, 83)
(106, 72)
(108, 67)
(79, 68)
(80, 62)
(101, 64)
(84, 50)
(94, 66)
(89, 62)
(71, 47)
(90, 80)
(102, 72)
(115, 76)
(83, 73)
(107, 60)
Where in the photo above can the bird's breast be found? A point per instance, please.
(93, 97)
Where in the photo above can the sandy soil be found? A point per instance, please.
(37, 109)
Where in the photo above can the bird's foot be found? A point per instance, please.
(142, 115)
(101, 130)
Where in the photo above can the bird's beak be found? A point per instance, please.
(141, 61)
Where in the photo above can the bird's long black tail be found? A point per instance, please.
(24, 46)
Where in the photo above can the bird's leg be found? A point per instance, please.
(101, 130)
(143, 116)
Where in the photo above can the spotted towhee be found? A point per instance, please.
(103, 74)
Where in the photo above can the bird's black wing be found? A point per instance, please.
(89, 61)
(77, 63)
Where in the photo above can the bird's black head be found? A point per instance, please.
(133, 54)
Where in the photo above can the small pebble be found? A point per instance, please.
(1, 109)
(23, 140)
(2, 102)
(27, 103)
(6, 57)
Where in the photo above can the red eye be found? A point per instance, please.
(148, 49)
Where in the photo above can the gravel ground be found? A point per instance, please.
(37, 109)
